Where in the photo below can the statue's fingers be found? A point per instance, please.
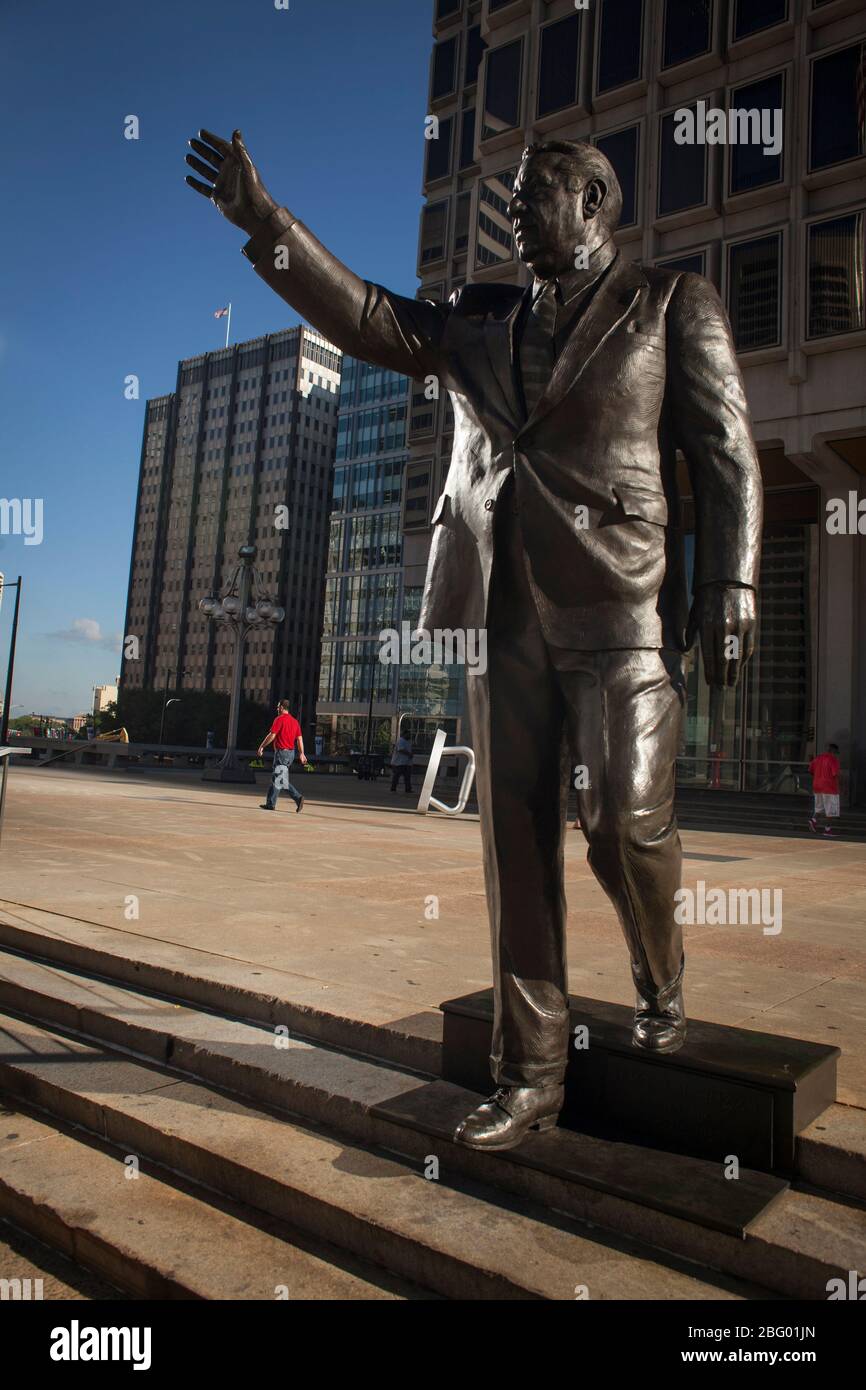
(222, 146)
(203, 188)
(202, 168)
(212, 156)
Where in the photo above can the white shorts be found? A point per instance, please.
(828, 802)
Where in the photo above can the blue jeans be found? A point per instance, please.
(283, 759)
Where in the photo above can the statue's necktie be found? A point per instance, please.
(537, 349)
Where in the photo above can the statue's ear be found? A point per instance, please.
(594, 195)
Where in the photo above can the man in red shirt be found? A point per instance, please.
(825, 786)
(285, 733)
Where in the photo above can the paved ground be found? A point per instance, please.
(343, 893)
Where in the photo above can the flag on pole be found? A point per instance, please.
(221, 313)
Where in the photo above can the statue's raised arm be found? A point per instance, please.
(361, 318)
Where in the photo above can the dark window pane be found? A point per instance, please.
(619, 44)
(557, 76)
(837, 265)
(621, 149)
(475, 48)
(683, 171)
(502, 89)
(750, 167)
(494, 242)
(687, 30)
(467, 138)
(837, 123)
(752, 15)
(754, 293)
(693, 263)
(433, 222)
(444, 68)
(499, 4)
(446, 7)
(439, 152)
(461, 222)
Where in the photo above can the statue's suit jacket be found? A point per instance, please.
(648, 368)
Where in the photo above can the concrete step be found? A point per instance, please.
(454, 1238)
(371, 1101)
(51, 972)
(831, 1153)
(373, 1024)
(151, 1235)
(793, 1248)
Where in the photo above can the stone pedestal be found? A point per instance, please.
(728, 1091)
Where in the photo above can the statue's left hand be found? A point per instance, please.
(720, 613)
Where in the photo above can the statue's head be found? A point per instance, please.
(566, 196)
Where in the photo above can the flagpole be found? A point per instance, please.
(229, 323)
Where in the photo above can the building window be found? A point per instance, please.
(620, 42)
(687, 30)
(683, 171)
(754, 299)
(444, 8)
(750, 166)
(750, 16)
(558, 65)
(439, 152)
(694, 263)
(502, 89)
(837, 265)
(838, 128)
(494, 242)
(461, 223)
(434, 222)
(467, 138)
(444, 79)
(475, 50)
(621, 148)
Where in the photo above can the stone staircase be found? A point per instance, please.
(186, 1136)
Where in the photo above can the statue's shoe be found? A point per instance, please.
(659, 1031)
(503, 1121)
(659, 1014)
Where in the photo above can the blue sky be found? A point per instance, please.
(113, 266)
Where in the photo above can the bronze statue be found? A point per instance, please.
(559, 532)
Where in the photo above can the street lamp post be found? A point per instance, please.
(179, 675)
(233, 609)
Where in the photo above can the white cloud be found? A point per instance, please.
(87, 632)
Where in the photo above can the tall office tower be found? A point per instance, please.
(241, 453)
(363, 592)
(777, 222)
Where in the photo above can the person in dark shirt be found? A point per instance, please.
(285, 733)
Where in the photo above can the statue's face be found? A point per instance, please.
(547, 216)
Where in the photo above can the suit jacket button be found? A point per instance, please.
(488, 505)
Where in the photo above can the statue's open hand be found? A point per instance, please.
(725, 616)
(233, 181)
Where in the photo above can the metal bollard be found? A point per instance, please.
(438, 751)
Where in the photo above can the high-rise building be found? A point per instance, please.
(240, 453)
(363, 590)
(779, 226)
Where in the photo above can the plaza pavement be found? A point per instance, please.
(336, 901)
